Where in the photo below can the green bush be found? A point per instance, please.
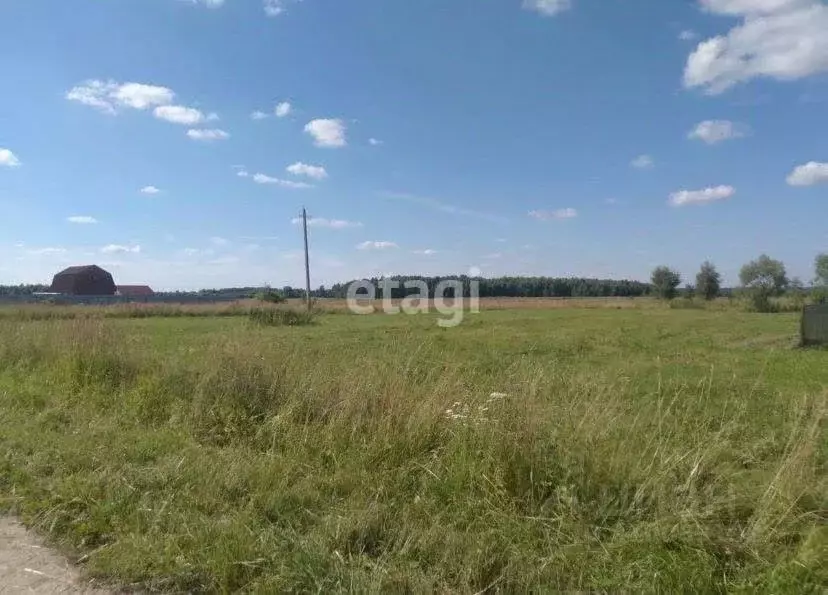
(281, 317)
(687, 304)
(760, 301)
(270, 296)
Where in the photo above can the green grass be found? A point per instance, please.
(281, 317)
(644, 450)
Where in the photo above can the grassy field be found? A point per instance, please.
(46, 311)
(528, 449)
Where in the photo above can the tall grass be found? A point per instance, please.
(281, 317)
(33, 312)
(265, 462)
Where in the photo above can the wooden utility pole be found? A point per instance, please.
(307, 259)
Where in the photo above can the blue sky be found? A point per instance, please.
(174, 141)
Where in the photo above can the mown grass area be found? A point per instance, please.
(525, 450)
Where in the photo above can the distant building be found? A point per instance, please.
(83, 280)
(134, 291)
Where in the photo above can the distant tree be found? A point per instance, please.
(511, 287)
(763, 278)
(795, 285)
(819, 292)
(272, 297)
(665, 281)
(708, 281)
(797, 292)
(21, 290)
(821, 269)
(689, 291)
(765, 274)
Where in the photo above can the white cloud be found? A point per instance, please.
(329, 223)
(547, 7)
(716, 131)
(8, 159)
(140, 96)
(745, 7)
(374, 142)
(426, 252)
(810, 174)
(119, 249)
(568, 213)
(108, 96)
(82, 219)
(265, 179)
(442, 206)
(376, 245)
(643, 162)
(94, 93)
(328, 133)
(178, 114)
(47, 251)
(111, 97)
(273, 8)
(283, 109)
(688, 35)
(209, 3)
(779, 39)
(207, 134)
(316, 172)
(219, 241)
(707, 195)
(149, 190)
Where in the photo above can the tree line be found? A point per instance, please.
(761, 280)
(21, 290)
(487, 287)
(506, 287)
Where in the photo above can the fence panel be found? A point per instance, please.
(815, 325)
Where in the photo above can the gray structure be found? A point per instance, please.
(83, 280)
(815, 325)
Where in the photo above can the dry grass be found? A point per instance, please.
(31, 312)
(242, 307)
(333, 306)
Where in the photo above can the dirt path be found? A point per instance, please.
(27, 566)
